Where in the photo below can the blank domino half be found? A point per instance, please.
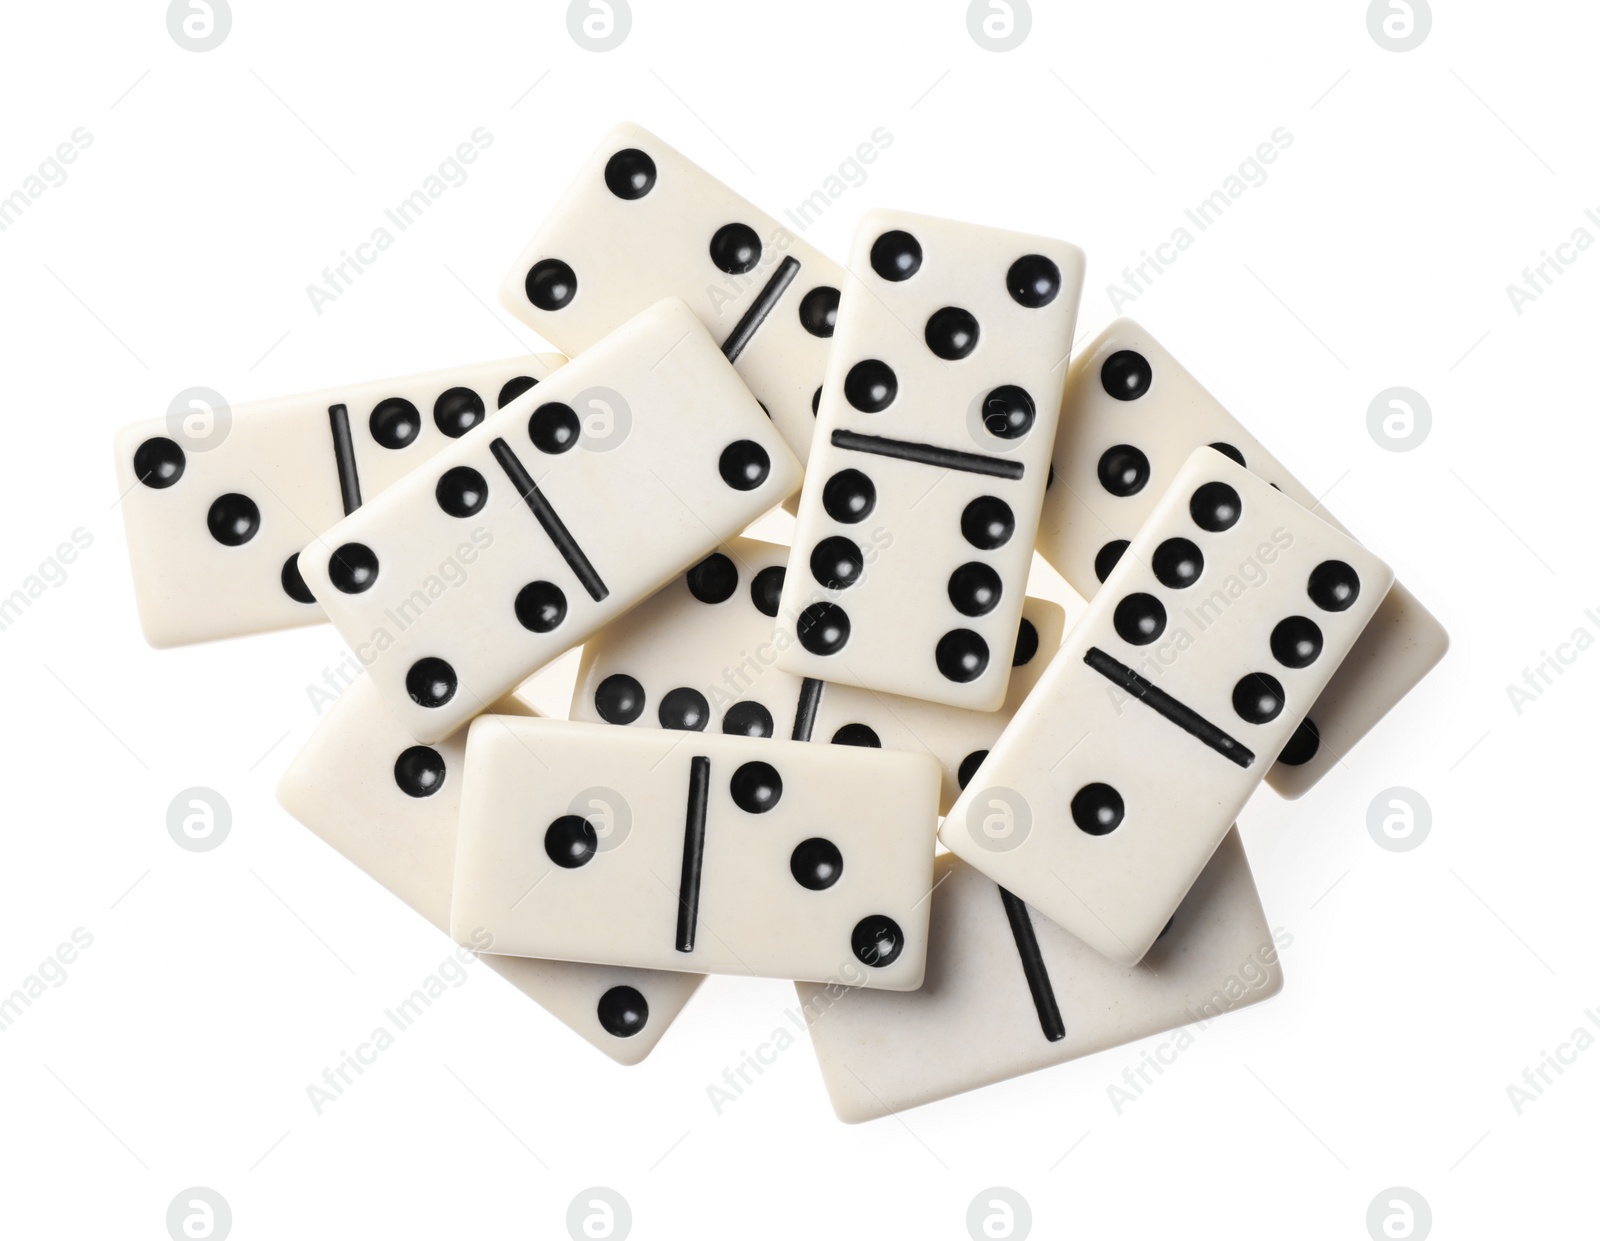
(1008, 992)
(700, 655)
(391, 807)
(1130, 418)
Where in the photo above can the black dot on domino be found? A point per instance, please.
(823, 628)
(1215, 507)
(1303, 746)
(896, 255)
(684, 710)
(570, 841)
(1033, 281)
(1097, 809)
(819, 310)
(735, 249)
(1125, 375)
(553, 427)
(158, 462)
(550, 284)
(849, 496)
(816, 864)
(457, 411)
(747, 719)
(419, 771)
(756, 787)
(1027, 644)
(969, 767)
(1296, 641)
(767, 589)
(857, 735)
(952, 333)
(1177, 563)
(622, 1011)
(871, 386)
(1139, 619)
(816, 402)
(877, 941)
(233, 519)
(1106, 558)
(714, 579)
(394, 422)
(353, 568)
(1333, 586)
(961, 656)
(1258, 698)
(988, 523)
(461, 491)
(836, 562)
(630, 174)
(974, 589)
(431, 682)
(294, 585)
(1123, 470)
(540, 607)
(744, 465)
(1230, 452)
(619, 699)
(513, 388)
(1008, 412)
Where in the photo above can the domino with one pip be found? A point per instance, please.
(391, 806)
(639, 223)
(936, 423)
(699, 655)
(519, 541)
(219, 503)
(716, 854)
(1130, 418)
(1214, 634)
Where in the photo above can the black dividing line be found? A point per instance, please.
(928, 454)
(745, 332)
(1168, 707)
(805, 710)
(547, 517)
(344, 457)
(1044, 996)
(694, 851)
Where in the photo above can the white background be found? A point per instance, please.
(1377, 253)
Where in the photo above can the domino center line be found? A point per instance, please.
(1168, 707)
(694, 851)
(545, 514)
(928, 454)
(1044, 996)
(344, 458)
(763, 306)
(805, 709)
